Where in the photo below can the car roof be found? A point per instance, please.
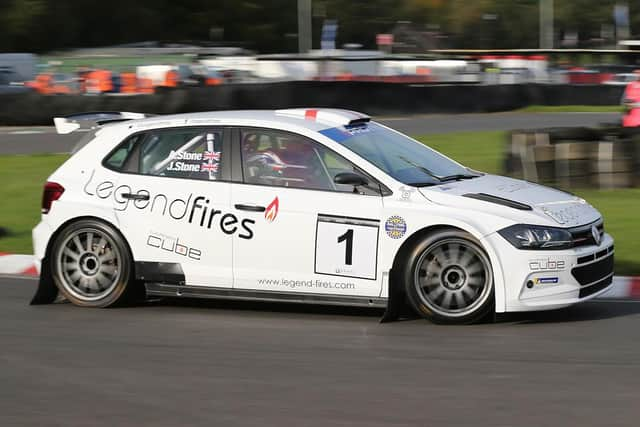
(314, 119)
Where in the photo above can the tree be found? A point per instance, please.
(271, 25)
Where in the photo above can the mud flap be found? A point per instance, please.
(47, 291)
(395, 302)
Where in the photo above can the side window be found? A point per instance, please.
(182, 153)
(120, 157)
(336, 164)
(271, 157)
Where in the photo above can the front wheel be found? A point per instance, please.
(448, 278)
(91, 264)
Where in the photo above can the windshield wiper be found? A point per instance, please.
(420, 168)
(439, 179)
(422, 184)
(458, 177)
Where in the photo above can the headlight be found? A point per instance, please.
(524, 236)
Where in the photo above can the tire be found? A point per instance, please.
(91, 265)
(448, 278)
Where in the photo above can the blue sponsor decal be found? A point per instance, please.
(341, 134)
(545, 280)
(337, 134)
(395, 227)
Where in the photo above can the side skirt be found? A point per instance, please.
(170, 290)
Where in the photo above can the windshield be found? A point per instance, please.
(403, 158)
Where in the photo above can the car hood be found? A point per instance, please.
(518, 200)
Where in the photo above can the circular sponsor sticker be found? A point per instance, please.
(395, 227)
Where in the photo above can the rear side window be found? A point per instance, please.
(124, 152)
(188, 153)
(182, 153)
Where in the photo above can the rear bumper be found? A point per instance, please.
(41, 235)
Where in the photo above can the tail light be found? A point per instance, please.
(52, 191)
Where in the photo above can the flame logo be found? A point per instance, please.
(271, 212)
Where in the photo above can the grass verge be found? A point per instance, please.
(22, 179)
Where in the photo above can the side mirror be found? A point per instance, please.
(350, 178)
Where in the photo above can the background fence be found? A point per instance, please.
(31, 108)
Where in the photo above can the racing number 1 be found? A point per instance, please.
(358, 257)
(348, 252)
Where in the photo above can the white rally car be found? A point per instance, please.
(305, 205)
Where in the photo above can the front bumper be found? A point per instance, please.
(543, 280)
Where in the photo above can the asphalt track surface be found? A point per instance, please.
(179, 363)
(45, 140)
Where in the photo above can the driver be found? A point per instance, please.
(263, 167)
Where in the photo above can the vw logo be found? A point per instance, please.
(596, 234)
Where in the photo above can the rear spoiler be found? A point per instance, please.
(92, 120)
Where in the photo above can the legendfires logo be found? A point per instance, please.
(194, 209)
(271, 213)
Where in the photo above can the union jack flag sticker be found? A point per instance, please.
(212, 156)
(209, 167)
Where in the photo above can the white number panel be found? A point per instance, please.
(347, 247)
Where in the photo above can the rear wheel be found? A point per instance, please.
(91, 264)
(448, 278)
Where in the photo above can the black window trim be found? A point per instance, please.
(238, 171)
(225, 161)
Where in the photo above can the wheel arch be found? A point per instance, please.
(396, 290)
(417, 236)
(47, 291)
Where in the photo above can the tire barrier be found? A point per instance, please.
(604, 158)
(374, 98)
(566, 94)
(34, 109)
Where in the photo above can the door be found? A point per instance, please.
(172, 204)
(306, 234)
